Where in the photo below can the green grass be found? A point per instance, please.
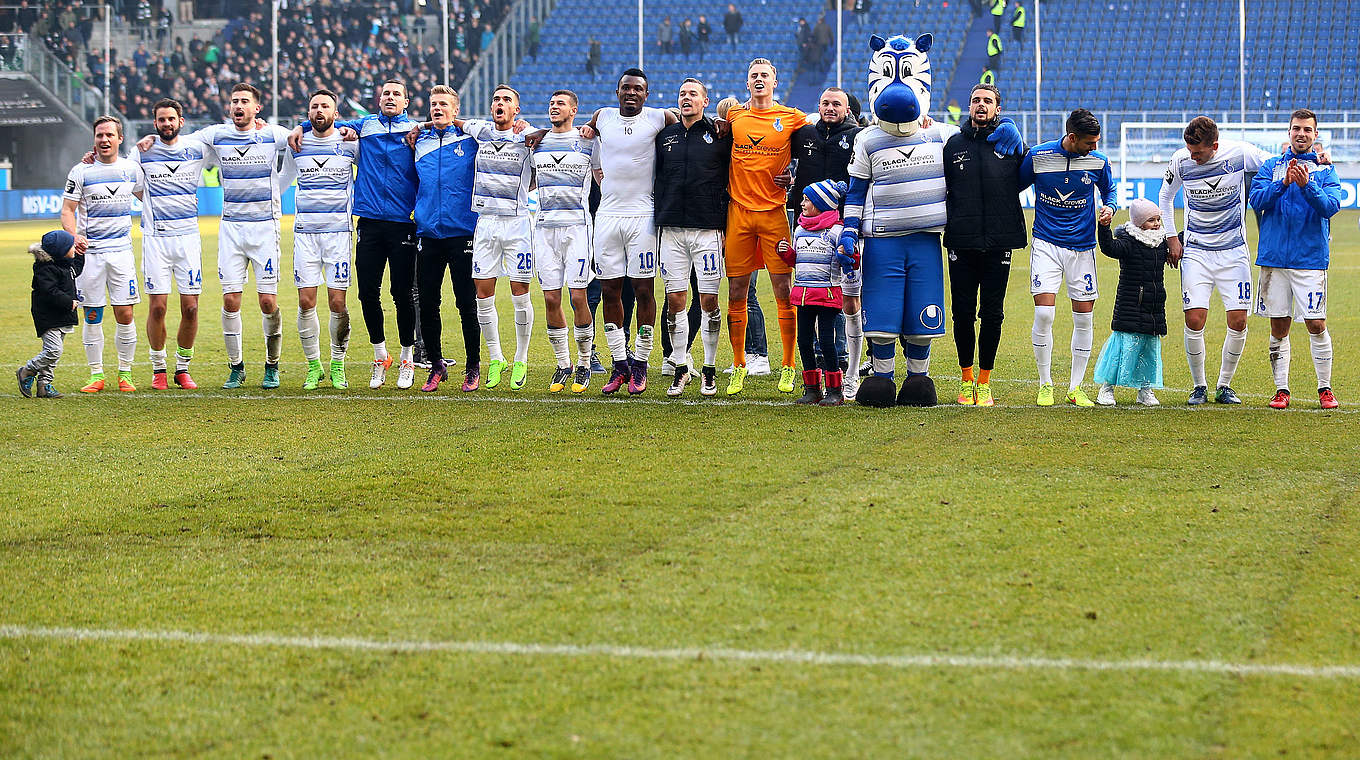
(1096, 535)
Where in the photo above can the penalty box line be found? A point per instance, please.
(691, 654)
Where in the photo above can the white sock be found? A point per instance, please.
(309, 332)
(273, 335)
(617, 341)
(125, 339)
(408, 353)
(709, 330)
(1083, 335)
(679, 330)
(231, 335)
(93, 337)
(1194, 353)
(918, 366)
(557, 337)
(642, 347)
(854, 340)
(379, 351)
(158, 360)
(1279, 361)
(339, 335)
(491, 327)
(524, 325)
(1041, 334)
(1322, 357)
(1234, 343)
(585, 342)
(882, 366)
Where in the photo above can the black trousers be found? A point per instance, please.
(381, 245)
(817, 324)
(974, 273)
(693, 316)
(454, 255)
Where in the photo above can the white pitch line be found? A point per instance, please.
(778, 656)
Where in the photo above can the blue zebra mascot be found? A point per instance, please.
(896, 203)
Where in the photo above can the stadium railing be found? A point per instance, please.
(83, 102)
(497, 63)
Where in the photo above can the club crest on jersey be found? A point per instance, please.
(1085, 179)
(458, 150)
(779, 125)
(708, 138)
(339, 149)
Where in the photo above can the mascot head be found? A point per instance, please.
(899, 82)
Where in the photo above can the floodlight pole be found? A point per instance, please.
(640, 42)
(274, 36)
(1038, 77)
(839, 8)
(444, 15)
(1242, 65)
(108, 52)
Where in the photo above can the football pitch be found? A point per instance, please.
(290, 574)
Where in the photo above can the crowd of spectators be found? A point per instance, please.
(347, 47)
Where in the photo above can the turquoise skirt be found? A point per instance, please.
(1130, 360)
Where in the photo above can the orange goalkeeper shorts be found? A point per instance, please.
(752, 238)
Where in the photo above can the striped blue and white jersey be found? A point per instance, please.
(1215, 195)
(254, 169)
(325, 168)
(906, 181)
(562, 170)
(501, 184)
(816, 265)
(1066, 185)
(173, 174)
(103, 196)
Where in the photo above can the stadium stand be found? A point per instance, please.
(769, 29)
(349, 47)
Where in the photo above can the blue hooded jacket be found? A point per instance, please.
(1295, 221)
(445, 161)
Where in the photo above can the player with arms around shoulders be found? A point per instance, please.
(758, 182)
(172, 252)
(1214, 175)
(445, 158)
(1296, 197)
(97, 210)
(562, 161)
(625, 236)
(1069, 176)
(321, 236)
(692, 164)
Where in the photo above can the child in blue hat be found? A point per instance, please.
(55, 267)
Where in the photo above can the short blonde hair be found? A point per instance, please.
(762, 62)
(443, 89)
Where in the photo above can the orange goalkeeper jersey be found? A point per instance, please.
(761, 148)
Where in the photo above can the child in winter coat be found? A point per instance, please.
(817, 270)
(55, 267)
(1132, 356)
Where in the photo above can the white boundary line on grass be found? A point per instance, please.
(786, 656)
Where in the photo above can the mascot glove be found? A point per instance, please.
(849, 241)
(786, 252)
(847, 261)
(1006, 138)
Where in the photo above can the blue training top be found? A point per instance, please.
(1064, 186)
